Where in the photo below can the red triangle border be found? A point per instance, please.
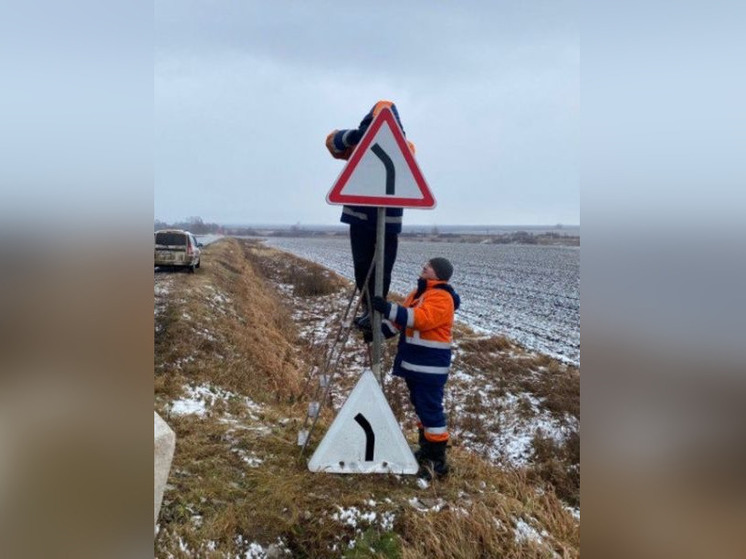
(335, 195)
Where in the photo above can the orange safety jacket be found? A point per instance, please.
(426, 317)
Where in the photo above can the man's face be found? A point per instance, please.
(427, 272)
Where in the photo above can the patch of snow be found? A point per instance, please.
(525, 532)
(162, 288)
(251, 459)
(513, 420)
(352, 516)
(206, 334)
(200, 397)
(184, 361)
(219, 302)
(459, 375)
(387, 521)
(187, 406)
(256, 551)
(426, 505)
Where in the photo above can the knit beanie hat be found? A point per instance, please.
(442, 267)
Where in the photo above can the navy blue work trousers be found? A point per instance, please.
(363, 243)
(427, 399)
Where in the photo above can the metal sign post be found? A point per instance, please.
(377, 364)
(381, 173)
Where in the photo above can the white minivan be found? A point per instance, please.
(177, 248)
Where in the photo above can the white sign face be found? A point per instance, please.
(365, 437)
(382, 171)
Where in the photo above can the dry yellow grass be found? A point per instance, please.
(237, 478)
(232, 326)
(555, 385)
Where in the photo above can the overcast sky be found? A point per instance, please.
(246, 92)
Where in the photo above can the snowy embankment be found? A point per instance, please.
(489, 417)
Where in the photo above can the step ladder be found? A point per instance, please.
(324, 374)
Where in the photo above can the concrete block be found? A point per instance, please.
(165, 442)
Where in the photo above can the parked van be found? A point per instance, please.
(174, 247)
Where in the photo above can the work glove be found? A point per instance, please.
(337, 153)
(381, 305)
(388, 329)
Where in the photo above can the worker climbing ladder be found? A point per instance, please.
(365, 436)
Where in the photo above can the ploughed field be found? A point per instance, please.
(528, 293)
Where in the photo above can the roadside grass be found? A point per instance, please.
(557, 465)
(512, 369)
(307, 278)
(228, 329)
(237, 476)
(544, 384)
(482, 522)
(473, 513)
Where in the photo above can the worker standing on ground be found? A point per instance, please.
(363, 220)
(423, 356)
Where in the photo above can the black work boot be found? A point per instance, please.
(363, 319)
(433, 463)
(363, 322)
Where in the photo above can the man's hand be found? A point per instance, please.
(336, 153)
(380, 304)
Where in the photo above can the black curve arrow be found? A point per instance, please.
(390, 170)
(370, 437)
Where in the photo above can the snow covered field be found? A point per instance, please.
(529, 293)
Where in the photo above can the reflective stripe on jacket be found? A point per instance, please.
(368, 217)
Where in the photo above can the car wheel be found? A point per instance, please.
(198, 263)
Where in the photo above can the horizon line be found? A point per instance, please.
(301, 224)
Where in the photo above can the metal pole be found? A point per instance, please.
(377, 365)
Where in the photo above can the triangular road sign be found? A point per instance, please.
(365, 437)
(382, 171)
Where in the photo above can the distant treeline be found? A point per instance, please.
(197, 226)
(515, 238)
